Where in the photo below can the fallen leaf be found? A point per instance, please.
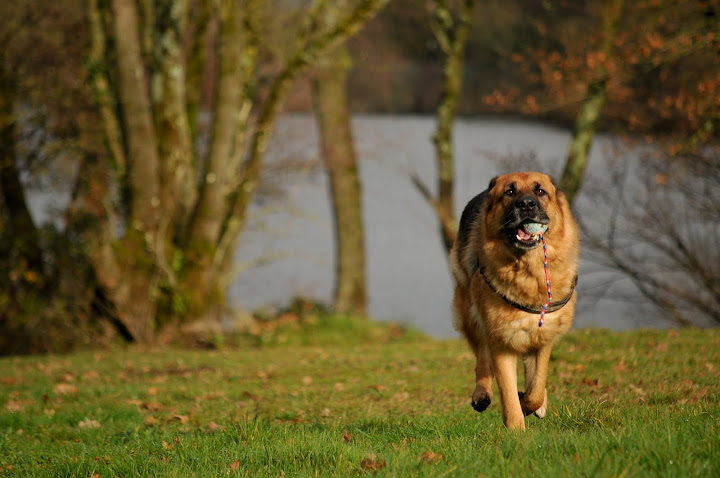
(235, 465)
(153, 406)
(372, 463)
(431, 457)
(65, 389)
(401, 397)
(91, 376)
(307, 380)
(15, 406)
(150, 421)
(339, 387)
(214, 426)
(182, 418)
(347, 437)
(152, 391)
(249, 395)
(638, 390)
(88, 423)
(621, 367)
(325, 413)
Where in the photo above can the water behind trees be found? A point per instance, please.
(288, 249)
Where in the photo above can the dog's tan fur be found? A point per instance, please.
(496, 331)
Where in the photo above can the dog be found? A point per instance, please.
(499, 262)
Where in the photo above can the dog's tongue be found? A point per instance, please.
(523, 235)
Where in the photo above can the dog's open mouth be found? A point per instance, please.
(527, 235)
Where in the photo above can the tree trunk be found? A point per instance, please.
(177, 179)
(330, 91)
(127, 269)
(451, 35)
(591, 109)
(236, 63)
(582, 138)
(140, 133)
(168, 255)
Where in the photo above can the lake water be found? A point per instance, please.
(288, 248)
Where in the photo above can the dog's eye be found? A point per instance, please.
(541, 192)
(509, 192)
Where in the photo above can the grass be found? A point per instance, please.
(350, 398)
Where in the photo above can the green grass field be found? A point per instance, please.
(354, 399)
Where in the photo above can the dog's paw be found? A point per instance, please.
(481, 404)
(481, 399)
(539, 411)
(542, 411)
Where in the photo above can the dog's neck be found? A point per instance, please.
(532, 309)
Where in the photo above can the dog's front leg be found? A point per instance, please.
(483, 376)
(505, 367)
(534, 400)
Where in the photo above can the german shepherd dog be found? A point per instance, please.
(498, 262)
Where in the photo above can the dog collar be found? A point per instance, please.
(552, 307)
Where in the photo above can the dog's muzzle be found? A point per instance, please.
(525, 222)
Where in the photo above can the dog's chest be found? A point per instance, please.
(524, 332)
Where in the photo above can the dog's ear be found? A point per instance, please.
(555, 185)
(488, 199)
(560, 194)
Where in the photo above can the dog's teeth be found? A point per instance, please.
(518, 237)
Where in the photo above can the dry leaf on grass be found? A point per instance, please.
(401, 397)
(65, 389)
(151, 421)
(88, 423)
(431, 457)
(372, 463)
(17, 405)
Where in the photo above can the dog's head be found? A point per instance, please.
(521, 206)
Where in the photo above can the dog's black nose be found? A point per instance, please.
(526, 203)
